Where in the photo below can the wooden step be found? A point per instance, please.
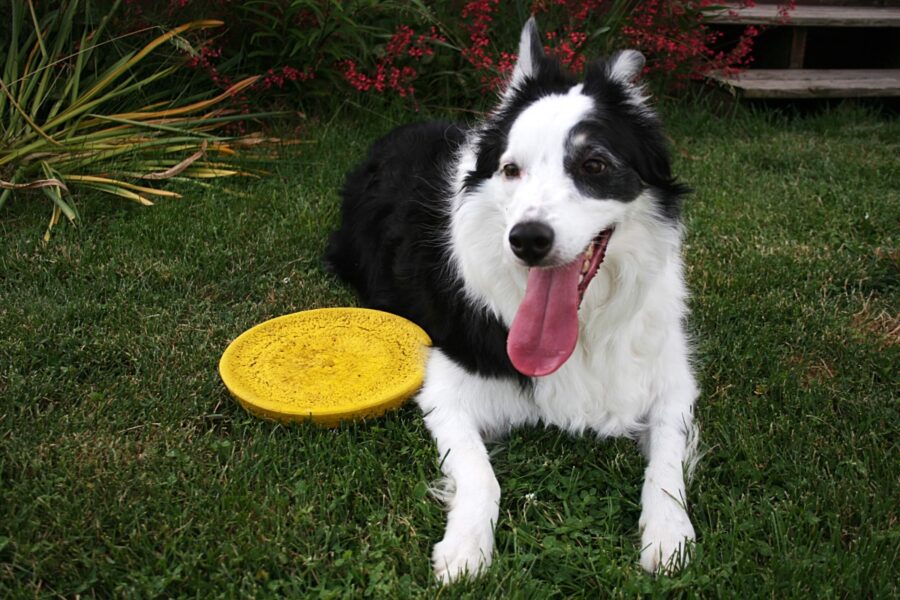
(808, 16)
(813, 83)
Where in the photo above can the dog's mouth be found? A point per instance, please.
(591, 260)
(544, 331)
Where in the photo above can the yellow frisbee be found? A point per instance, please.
(328, 365)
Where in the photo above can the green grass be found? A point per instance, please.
(127, 470)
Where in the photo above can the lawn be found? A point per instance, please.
(127, 470)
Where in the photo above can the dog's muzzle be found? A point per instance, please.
(531, 241)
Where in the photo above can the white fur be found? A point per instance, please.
(525, 64)
(630, 373)
(627, 65)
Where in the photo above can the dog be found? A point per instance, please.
(541, 251)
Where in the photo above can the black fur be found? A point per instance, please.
(633, 134)
(392, 245)
(617, 181)
(550, 78)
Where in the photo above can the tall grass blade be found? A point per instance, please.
(93, 179)
(47, 60)
(54, 219)
(32, 185)
(25, 115)
(116, 190)
(37, 29)
(148, 125)
(10, 69)
(235, 89)
(177, 169)
(110, 77)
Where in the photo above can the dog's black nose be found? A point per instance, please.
(531, 241)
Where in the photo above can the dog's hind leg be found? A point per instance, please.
(666, 531)
(456, 406)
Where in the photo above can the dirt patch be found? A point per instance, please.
(812, 372)
(871, 321)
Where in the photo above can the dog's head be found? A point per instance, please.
(569, 161)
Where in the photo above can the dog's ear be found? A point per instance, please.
(626, 66)
(531, 52)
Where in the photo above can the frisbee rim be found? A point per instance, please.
(332, 415)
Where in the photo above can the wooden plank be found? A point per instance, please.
(808, 16)
(798, 48)
(813, 83)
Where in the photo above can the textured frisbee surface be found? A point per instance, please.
(329, 364)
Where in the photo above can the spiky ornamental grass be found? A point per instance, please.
(70, 118)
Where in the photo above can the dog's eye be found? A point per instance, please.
(593, 166)
(510, 170)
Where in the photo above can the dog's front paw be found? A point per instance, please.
(666, 542)
(461, 555)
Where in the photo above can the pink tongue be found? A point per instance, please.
(544, 331)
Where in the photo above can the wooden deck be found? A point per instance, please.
(813, 83)
(808, 16)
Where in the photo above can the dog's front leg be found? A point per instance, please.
(450, 404)
(666, 530)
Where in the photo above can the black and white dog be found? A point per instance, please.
(540, 250)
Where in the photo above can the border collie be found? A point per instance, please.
(541, 251)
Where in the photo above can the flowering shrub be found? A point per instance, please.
(390, 73)
(672, 34)
(674, 37)
(442, 51)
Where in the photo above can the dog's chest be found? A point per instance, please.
(607, 386)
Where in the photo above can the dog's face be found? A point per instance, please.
(567, 162)
(560, 183)
(567, 158)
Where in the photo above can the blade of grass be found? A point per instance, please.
(119, 191)
(37, 28)
(231, 91)
(199, 121)
(61, 36)
(10, 69)
(4, 195)
(37, 146)
(116, 73)
(171, 172)
(208, 186)
(32, 185)
(125, 89)
(29, 81)
(7, 191)
(25, 116)
(154, 126)
(74, 84)
(98, 32)
(82, 105)
(54, 219)
(211, 173)
(78, 162)
(92, 179)
(55, 193)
